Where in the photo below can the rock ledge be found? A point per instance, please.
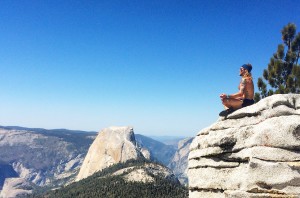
(254, 152)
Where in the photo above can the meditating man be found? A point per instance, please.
(245, 95)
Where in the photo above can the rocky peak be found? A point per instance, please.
(254, 152)
(179, 162)
(111, 146)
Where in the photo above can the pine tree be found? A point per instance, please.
(283, 72)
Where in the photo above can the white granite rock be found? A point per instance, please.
(111, 146)
(14, 187)
(253, 152)
(146, 173)
(179, 162)
(146, 153)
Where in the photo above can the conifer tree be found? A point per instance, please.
(283, 72)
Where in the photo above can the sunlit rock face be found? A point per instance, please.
(146, 173)
(254, 152)
(179, 163)
(16, 187)
(111, 146)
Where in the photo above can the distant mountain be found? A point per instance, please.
(168, 140)
(52, 158)
(6, 171)
(43, 157)
(134, 179)
(112, 145)
(80, 139)
(179, 162)
(160, 152)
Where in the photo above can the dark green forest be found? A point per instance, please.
(103, 184)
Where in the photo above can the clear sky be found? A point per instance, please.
(156, 65)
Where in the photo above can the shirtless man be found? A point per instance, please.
(245, 95)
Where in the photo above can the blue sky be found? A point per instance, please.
(158, 66)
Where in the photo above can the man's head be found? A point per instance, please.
(245, 69)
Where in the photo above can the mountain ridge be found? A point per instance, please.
(75, 141)
(107, 183)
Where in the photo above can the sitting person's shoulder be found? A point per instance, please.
(247, 80)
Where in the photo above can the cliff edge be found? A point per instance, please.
(254, 152)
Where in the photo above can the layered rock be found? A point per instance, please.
(111, 146)
(254, 152)
(179, 162)
(16, 187)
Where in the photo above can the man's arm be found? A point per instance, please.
(241, 91)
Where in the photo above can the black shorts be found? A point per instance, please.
(247, 102)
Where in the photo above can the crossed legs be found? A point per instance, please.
(232, 103)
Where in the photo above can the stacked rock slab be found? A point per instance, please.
(111, 146)
(254, 152)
